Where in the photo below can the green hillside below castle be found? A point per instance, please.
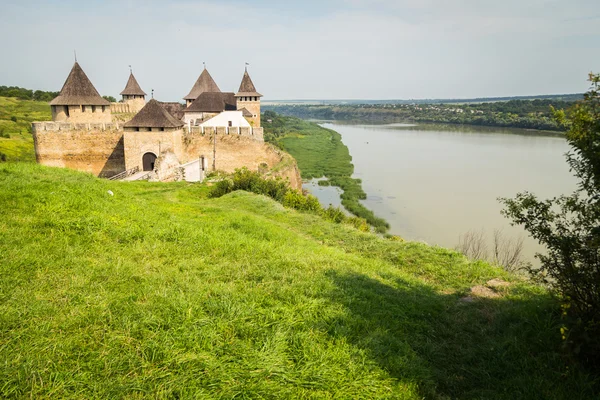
(152, 290)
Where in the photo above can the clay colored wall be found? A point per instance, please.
(84, 114)
(120, 108)
(105, 149)
(136, 103)
(137, 144)
(98, 150)
(253, 107)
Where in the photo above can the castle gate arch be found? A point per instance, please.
(148, 161)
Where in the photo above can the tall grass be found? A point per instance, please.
(157, 291)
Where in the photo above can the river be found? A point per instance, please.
(435, 183)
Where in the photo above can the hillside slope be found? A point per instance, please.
(16, 141)
(156, 291)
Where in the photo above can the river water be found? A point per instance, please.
(435, 183)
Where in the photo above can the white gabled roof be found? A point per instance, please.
(222, 119)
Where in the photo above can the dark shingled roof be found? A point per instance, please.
(173, 108)
(213, 102)
(153, 115)
(132, 88)
(246, 113)
(205, 83)
(247, 87)
(78, 90)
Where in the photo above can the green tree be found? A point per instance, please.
(569, 227)
(110, 98)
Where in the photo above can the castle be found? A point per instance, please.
(135, 139)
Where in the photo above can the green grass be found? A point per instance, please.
(320, 152)
(16, 141)
(159, 292)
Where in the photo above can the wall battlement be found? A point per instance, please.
(119, 108)
(255, 133)
(50, 126)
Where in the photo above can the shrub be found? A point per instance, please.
(278, 189)
(221, 188)
(334, 214)
(569, 227)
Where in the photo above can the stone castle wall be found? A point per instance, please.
(253, 107)
(105, 149)
(254, 133)
(94, 148)
(77, 114)
(120, 108)
(130, 105)
(136, 103)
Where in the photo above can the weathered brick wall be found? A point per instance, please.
(137, 144)
(237, 151)
(135, 104)
(253, 107)
(105, 149)
(98, 150)
(120, 108)
(77, 114)
(255, 133)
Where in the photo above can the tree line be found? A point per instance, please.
(36, 95)
(528, 114)
(26, 94)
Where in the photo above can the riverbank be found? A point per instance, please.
(320, 152)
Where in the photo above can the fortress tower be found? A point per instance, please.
(133, 95)
(248, 100)
(79, 101)
(205, 83)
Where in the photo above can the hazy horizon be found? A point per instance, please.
(337, 49)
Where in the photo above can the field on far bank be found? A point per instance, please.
(526, 114)
(155, 291)
(16, 141)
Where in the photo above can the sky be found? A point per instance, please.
(328, 49)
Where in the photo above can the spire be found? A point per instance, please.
(132, 88)
(78, 90)
(205, 83)
(247, 86)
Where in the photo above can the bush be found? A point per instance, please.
(221, 188)
(569, 227)
(295, 199)
(278, 189)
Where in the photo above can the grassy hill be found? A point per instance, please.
(156, 291)
(16, 142)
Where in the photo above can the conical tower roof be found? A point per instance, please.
(78, 90)
(132, 88)
(205, 83)
(247, 87)
(153, 115)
